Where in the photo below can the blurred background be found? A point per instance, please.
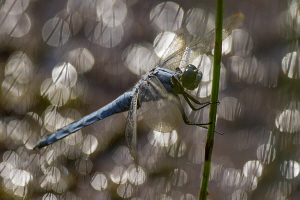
(63, 59)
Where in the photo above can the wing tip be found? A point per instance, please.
(239, 17)
(238, 14)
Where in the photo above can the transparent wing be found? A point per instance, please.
(144, 92)
(163, 108)
(205, 44)
(131, 123)
(179, 53)
(173, 54)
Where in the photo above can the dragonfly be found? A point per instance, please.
(173, 76)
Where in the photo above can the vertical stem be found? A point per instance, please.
(214, 98)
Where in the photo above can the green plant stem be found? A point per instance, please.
(214, 98)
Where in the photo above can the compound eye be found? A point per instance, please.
(191, 77)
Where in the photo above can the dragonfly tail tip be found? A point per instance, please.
(35, 147)
(39, 145)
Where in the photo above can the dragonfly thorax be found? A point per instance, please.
(190, 77)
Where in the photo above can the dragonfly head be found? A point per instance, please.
(191, 77)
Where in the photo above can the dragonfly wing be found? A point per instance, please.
(180, 53)
(131, 124)
(163, 109)
(205, 44)
(173, 54)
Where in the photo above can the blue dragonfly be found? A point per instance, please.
(172, 76)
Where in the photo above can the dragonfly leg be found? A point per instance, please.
(188, 97)
(188, 122)
(197, 102)
(193, 99)
(202, 125)
(191, 105)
